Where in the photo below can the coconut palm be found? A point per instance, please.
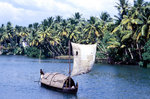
(58, 19)
(92, 30)
(105, 17)
(122, 7)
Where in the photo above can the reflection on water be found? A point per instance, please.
(19, 76)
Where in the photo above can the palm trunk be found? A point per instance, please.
(126, 52)
(16, 40)
(130, 53)
(139, 51)
(62, 49)
(59, 51)
(54, 50)
(50, 50)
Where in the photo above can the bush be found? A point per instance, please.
(18, 51)
(146, 54)
(34, 52)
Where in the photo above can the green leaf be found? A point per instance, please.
(114, 43)
(129, 26)
(144, 27)
(139, 35)
(136, 21)
(116, 29)
(125, 21)
(111, 46)
(123, 46)
(113, 39)
(127, 36)
(125, 16)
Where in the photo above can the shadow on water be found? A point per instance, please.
(59, 95)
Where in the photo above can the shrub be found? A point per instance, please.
(18, 51)
(33, 52)
(146, 54)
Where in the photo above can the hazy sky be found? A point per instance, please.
(24, 12)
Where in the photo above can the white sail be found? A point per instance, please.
(84, 58)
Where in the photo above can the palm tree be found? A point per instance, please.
(133, 27)
(92, 30)
(77, 15)
(105, 17)
(58, 19)
(35, 26)
(2, 30)
(49, 39)
(50, 21)
(122, 8)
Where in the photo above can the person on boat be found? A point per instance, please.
(42, 73)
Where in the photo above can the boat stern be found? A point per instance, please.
(41, 73)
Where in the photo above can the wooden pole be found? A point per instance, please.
(69, 65)
(40, 56)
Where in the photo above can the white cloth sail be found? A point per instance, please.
(84, 58)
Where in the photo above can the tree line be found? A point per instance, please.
(121, 40)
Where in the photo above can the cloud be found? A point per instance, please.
(15, 15)
(8, 12)
(24, 12)
(94, 7)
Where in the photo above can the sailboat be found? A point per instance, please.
(84, 58)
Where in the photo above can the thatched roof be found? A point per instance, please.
(54, 79)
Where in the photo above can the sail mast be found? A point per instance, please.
(69, 65)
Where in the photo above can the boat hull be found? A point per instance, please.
(58, 82)
(64, 90)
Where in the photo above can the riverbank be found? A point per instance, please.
(97, 60)
(63, 57)
(101, 60)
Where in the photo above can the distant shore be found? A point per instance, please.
(97, 60)
(63, 57)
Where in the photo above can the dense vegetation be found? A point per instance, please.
(122, 40)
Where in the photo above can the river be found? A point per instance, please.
(19, 76)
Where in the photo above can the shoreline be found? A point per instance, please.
(63, 57)
(66, 57)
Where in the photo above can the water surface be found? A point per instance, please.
(18, 76)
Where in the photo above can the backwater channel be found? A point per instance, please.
(19, 76)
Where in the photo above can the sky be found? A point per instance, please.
(24, 12)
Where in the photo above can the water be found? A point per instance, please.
(18, 76)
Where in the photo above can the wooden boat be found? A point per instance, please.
(84, 58)
(58, 82)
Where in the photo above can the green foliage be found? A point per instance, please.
(144, 28)
(127, 35)
(146, 54)
(33, 52)
(119, 40)
(18, 51)
(141, 64)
